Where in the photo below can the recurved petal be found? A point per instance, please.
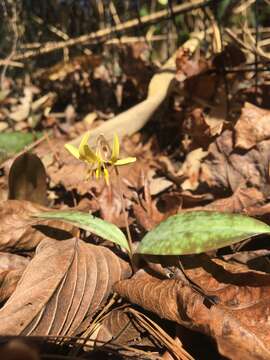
(73, 150)
(124, 161)
(84, 143)
(116, 148)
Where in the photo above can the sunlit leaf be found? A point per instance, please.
(199, 231)
(90, 223)
(13, 142)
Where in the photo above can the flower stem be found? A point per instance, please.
(125, 213)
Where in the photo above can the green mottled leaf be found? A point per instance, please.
(199, 231)
(90, 223)
(12, 143)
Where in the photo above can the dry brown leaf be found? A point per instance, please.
(240, 201)
(225, 168)
(135, 66)
(252, 126)
(151, 212)
(120, 328)
(201, 127)
(64, 283)
(16, 231)
(260, 211)
(191, 169)
(189, 64)
(12, 267)
(27, 179)
(146, 211)
(157, 183)
(111, 207)
(22, 110)
(241, 292)
(147, 217)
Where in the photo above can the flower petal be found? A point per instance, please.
(89, 155)
(106, 176)
(84, 150)
(116, 148)
(125, 161)
(84, 142)
(73, 150)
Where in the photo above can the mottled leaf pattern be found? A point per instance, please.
(199, 231)
(89, 222)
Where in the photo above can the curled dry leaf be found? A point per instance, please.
(12, 267)
(252, 126)
(63, 284)
(241, 292)
(27, 179)
(16, 231)
(240, 201)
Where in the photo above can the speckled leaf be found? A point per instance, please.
(90, 223)
(199, 231)
(12, 143)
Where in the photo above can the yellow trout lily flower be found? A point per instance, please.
(101, 157)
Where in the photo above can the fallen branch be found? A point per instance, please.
(132, 120)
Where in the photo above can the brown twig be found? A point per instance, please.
(101, 34)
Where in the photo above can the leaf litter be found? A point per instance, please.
(193, 153)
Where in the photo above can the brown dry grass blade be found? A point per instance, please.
(16, 231)
(11, 269)
(242, 292)
(64, 283)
